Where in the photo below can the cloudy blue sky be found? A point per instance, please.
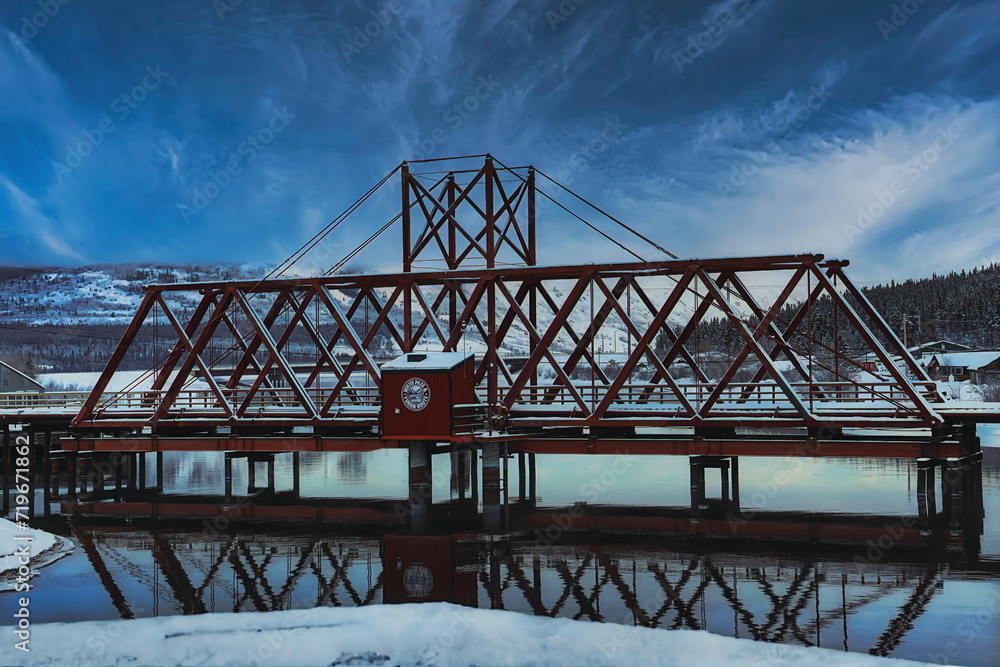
(858, 128)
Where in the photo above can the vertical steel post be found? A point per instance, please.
(452, 256)
(492, 370)
(407, 261)
(532, 261)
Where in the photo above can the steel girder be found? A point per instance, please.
(305, 352)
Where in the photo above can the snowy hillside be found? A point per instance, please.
(107, 294)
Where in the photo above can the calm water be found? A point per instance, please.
(831, 553)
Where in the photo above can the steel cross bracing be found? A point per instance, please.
(615, 345)
(304, 351)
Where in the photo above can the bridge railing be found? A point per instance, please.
(735, 395)
(263, 398)
(50, 400)
(745, 394)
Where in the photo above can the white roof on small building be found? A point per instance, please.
(973, 360)
(426, 361)
(937, 343)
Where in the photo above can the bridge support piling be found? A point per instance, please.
(142, 471)
(729, 472)
(71, 473)
(474, 473)
(228, 472)
(522, 492)
(251, 475)
(461, 456)
(420, 483)
(926, 495)
(95, 467)
(532, 479)
(133, 471)
(493, 486)
(296, 484)
(969, 443)
(120, 461)
(977, 507)
(159, 471)
(84, 469)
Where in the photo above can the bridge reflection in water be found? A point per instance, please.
(851, 581)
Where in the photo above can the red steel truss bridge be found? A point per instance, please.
(561, 353)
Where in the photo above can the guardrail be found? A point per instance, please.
(645, 395)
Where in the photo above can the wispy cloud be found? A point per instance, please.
(37, 226)
(757, 64)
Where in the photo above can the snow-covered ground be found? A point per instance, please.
(407, 634)
(85, 381)
(43, 549)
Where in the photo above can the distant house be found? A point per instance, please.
(979, 366)
(937, 347)
(13, 380)
(922, 353)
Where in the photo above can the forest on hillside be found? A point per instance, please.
(962, 307)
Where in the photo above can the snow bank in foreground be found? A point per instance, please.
(411, 634)
(44, 548)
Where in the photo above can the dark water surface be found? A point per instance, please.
(818, 552)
